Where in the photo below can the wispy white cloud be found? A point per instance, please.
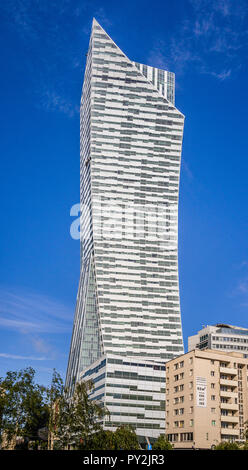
(102, 18)
(187, 170)
(222, 75)
(204, 26)
(157, 58)
(52, 33)
(240, 290)
(242, 286)
(18, 357)
(243, 264)
(52, 101)
(34, 313)
(42, 346)
(208, 40)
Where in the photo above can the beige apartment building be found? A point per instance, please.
(206, 398)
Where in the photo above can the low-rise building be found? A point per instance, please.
(133, 391)
(221, 337)
(206, 398)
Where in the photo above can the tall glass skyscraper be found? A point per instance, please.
(131, 137)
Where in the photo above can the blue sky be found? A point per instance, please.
(205, 42)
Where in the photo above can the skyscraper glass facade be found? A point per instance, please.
(131, 138)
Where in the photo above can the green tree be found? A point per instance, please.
(22, 405)
(79, 417)
(55, 399)
(87, 415)
(162, 443)
(126, 438)
(227, 445)
(103, 440)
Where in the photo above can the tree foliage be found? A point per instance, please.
(162, 443)
(79, 417)
(33, 415)
(23, 408)
(227, 445)
(102, 440)
(55, 396)
(126, 438)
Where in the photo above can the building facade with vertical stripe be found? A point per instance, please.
(128, 303)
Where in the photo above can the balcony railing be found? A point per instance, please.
(230, 431)
(229, 419)
(229, 406)
(229, 382)
(228, 394)
(228, 370)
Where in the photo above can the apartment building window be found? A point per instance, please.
(191, 409)
(172, 437)
(186, 436)
(224, 400)
(181, 364)
(213, 410)
(213, 422)
(212, 397)
(224, 425)
(178, 377)
(212, 385)
(191, 372)
(212, 373)
(191, 360)
(191, 423)
(191, 397)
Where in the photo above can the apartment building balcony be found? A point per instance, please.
(229, 419)
(228, 431)
(228, 394)
(229, 406)
(228, 370)
(229, 382)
